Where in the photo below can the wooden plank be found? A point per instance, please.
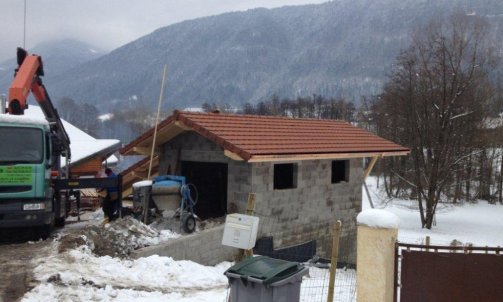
(233, 155)
(181, 125)
(90, 167)
(250, 210)
(296, 157)
(333, 260)
(145, 150)
(368, 194)
(370, 167)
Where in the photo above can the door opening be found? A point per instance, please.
(210, 180)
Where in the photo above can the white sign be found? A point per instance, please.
(240, 231)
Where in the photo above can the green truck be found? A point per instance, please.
(31, 153)
(26, 168)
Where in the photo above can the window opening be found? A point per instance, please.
(340, 171)
(285, 176)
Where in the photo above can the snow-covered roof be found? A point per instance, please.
(23, 119)
(82, 145)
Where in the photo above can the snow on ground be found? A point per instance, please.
(78, 274)
(478, 223)
(81, 274)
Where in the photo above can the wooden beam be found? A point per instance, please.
(89, 167)
(127, 192)
(140, 174)
(232, 155)
(145, 150)
(370, 167)
(366, 174)
(368, 194)
(335, 254)
(183, 126)
(296, 157)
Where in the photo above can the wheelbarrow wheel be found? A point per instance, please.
(189, 223)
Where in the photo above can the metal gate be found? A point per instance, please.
(448, 273)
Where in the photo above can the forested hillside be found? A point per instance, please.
(341, 49)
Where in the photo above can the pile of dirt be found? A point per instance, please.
(210, 223)
(173, 223)
(124, 235)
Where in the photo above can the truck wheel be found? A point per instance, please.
(189, 223)
(59, 222)
(44, 231)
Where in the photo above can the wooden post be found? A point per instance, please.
(78, 204)
(153, 139)
(370, 167)
(250, 210)
(427, 243)
(157, 122)
(333, 260)
(368, 194)
(250, 204)
(366, 174)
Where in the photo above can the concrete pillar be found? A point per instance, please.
(377, 234)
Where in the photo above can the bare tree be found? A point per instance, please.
(434, 103)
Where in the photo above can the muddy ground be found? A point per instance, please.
(21, 251)
(16, 265)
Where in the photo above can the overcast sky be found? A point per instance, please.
(107, 24)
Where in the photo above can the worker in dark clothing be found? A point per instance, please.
(111, 201)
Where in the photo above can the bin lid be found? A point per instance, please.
(266, 269)
(166, 183)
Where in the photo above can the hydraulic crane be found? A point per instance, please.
(34, 187)
(28, 79)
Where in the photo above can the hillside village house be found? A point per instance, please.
(302, 171)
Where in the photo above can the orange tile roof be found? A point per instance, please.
(252, 136)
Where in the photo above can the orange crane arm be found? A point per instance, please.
(26, 79)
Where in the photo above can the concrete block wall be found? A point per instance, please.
(193, 147)
(202, 247)
(308, 212)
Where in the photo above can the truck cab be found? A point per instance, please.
(26, 197)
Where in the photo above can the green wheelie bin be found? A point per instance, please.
(265, 279)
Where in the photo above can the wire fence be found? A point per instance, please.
(310, 241)
(315, 286)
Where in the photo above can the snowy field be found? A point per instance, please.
(79, 275)
(478, 223)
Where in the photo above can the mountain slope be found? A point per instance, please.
(58, 57)
(342, 48)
